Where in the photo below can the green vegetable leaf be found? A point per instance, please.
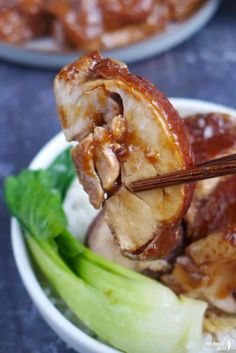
(62, 171)
(37, 209)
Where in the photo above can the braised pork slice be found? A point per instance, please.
(100, 240)
(22, 20)
(181, 9)
(118, 12)
(92, 24)
(126, 130)
(127, 22)
(213, 206)
(207, 271)
(78, 22)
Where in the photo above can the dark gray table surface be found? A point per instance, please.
(204, 67)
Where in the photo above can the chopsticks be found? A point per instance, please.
(211, 169)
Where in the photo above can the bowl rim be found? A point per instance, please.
(72, 334)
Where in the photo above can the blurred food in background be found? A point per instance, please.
(90, 24)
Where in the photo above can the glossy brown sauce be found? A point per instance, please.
(150, 156)
(87, 156)
(130, 143)
(211, 135)
(98, 119)
(228, 284)
(218, 210)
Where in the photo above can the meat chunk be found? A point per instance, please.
(101, 241)
(22, 20)
(106, 162)
(116, 12)
(83, 157)
(181, 9)
(136, 133)
(212, 135)
(132, 21)
(79, 21)
(207, 271)
(213, 207)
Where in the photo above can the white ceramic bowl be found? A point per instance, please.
(71, 334)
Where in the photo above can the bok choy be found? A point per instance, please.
(128, 310)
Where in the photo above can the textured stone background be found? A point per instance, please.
(204, 67)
